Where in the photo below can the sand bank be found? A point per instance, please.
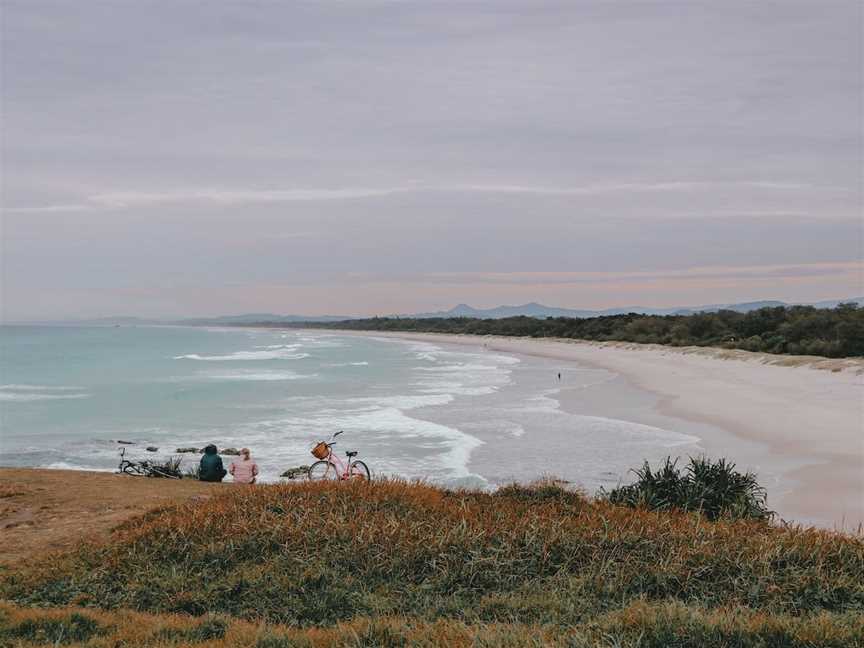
(805, 413)
(45, 510)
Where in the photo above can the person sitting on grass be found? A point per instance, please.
(211, 469)
(244, 469)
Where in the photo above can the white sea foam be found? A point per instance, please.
(263, 376)
(502, 359)
(421, 350)
(37, 388)
(516, 430)
(463, 369)
(23, 398)
(63, 465)
(542, 402)
(403, 402)
(274, 354)
(455, 446)
(456, 389)
(279, 346)
(346, 364)
(27, 393)
(639, 433)
(472, 378)
(323, 341)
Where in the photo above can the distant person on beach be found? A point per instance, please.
(211, 468)
(559, 375)
(243, 468)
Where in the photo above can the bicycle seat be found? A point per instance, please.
(351, 453)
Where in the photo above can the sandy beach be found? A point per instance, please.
(798, 416)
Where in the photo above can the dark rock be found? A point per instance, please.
(152, 449)
(229, 451)
(294, 473)
(126, 442)
(187, 450)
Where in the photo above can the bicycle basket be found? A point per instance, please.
(321, 450)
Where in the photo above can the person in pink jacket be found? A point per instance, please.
(243, 468)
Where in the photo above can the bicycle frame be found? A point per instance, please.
(126, 463)
(343, 468)
(141, 468)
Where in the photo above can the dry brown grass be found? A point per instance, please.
(524, 566)
(639, 625)
(12, 490)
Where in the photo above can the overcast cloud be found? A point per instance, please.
(201, 158)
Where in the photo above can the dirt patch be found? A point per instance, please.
(43, 510)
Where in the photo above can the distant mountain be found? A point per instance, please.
(222, 320)
(740, 308)
(253, 318)
(95, 321)
(530, 310)
(833, 303)
(534, 309)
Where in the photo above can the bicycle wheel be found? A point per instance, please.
(360, 471)
(131, 469)
(322, 471)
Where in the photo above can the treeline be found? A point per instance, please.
(833, 333)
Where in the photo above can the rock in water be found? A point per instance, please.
(126, 442)
(294, 473)
(230, 451)
(186, 450)
(152, 449)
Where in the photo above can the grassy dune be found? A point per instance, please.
(395, 564)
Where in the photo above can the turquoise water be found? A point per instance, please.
(461, 416)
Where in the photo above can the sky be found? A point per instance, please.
(178, 158)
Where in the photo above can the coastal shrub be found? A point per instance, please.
(544, 490)
(831, 332)
(713, 488)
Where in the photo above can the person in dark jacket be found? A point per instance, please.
(211, 469)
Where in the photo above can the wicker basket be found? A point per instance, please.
(321, 450)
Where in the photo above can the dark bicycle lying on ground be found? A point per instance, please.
(170, 469)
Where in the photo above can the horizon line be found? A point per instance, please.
(633, 308)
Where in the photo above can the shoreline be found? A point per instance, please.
(747, 396)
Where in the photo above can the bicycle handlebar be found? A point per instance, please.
(331, 442)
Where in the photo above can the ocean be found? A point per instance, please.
(453, 415)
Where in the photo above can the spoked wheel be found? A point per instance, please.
(131, 469)
(323, 471)
(359, 471)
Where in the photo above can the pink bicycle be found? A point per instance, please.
(327, 467)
